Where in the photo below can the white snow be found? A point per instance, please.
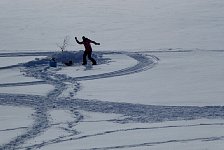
(13, 122)
(59, 118)
(181, 78)
(11, 73)
(169, 135)
(142, 24)
(8, 61)
(117, 62)
(40, 89)
(158, 85)
(14, 76)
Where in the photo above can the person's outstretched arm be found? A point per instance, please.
(78, 41)
(95, 43)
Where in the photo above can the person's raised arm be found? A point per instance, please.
(78, 41)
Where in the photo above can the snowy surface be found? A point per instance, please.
(187, 78)
(8, 61)
(126, 24)
(130, 100)
(40, 89)
(158, 82)
(14, 76)
(14, 121)
(117, 62)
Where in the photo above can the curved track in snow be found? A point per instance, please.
(43, 104)
(144, 63)
(133, 112)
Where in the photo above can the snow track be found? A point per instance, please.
(136, 113)
(143, 64)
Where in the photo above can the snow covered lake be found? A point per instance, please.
(152, 100)
(158, 83)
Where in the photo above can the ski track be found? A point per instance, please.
(22, 83)
(132, 112)
(157, 143)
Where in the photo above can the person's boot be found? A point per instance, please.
(93, 61)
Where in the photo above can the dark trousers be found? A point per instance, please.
(89, 56)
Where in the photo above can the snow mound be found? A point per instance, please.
(63, 57)
(77, 57)
(66, 57)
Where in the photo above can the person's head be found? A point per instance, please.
(83, 38)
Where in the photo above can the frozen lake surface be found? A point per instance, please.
(152, 100)
(158, 83)
(117, 25)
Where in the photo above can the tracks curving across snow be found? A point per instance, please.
(43, 104)
(144, 63)
(52, 101)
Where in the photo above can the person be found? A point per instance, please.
(88, 49)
